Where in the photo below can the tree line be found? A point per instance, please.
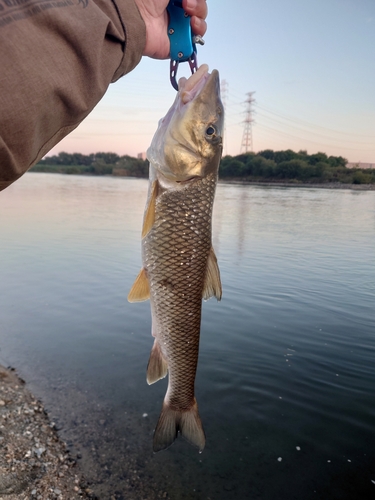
(265, 166)
(289, 166)
(94, 164)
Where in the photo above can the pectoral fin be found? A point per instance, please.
(212, 284)
(140, 290)
(149, 217)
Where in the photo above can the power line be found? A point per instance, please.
(293, 136)
(310, 124)
(304, 131)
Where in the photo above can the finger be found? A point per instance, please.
(198, 26)
(195, 8)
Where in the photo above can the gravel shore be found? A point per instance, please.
(34, 462)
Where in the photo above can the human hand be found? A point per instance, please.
(155, 16)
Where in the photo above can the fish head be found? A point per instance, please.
(189, 141)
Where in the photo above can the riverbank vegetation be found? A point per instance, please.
(94, 164)
(265, 166)
(289, 166)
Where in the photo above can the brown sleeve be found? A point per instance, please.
(57, 58)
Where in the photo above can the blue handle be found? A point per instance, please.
(179, 32)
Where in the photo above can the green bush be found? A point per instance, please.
(359, 177)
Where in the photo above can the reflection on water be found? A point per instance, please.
(286, 366)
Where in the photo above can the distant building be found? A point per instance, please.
(359, 164)
(141, 156)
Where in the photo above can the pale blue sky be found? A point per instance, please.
(311, 64)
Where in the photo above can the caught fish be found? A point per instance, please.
(179, 264)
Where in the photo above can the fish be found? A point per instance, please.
(179, 263)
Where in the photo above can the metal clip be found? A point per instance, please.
(174, 65)
(182, 41)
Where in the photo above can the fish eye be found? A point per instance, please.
(210, 131)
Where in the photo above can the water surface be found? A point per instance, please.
(286, 374)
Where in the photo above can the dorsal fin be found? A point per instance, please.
(149, 217)
(212, 283)
(140, 290)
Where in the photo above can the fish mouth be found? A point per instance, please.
(190, 179)
(190, 87)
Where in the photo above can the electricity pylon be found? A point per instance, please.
(247, 136)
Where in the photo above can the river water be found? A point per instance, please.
(286, 374)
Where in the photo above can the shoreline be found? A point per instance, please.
(327, 185)
(35, 462)
(42, 461)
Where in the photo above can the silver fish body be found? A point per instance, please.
(179, 264)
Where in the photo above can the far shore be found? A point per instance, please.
(327, 185)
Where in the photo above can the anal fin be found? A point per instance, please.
(140, 290)
(157, 367)
(212, 285)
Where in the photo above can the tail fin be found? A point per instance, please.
(188, 422)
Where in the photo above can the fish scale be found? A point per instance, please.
(177, 304)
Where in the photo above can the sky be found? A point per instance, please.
(311, 64)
